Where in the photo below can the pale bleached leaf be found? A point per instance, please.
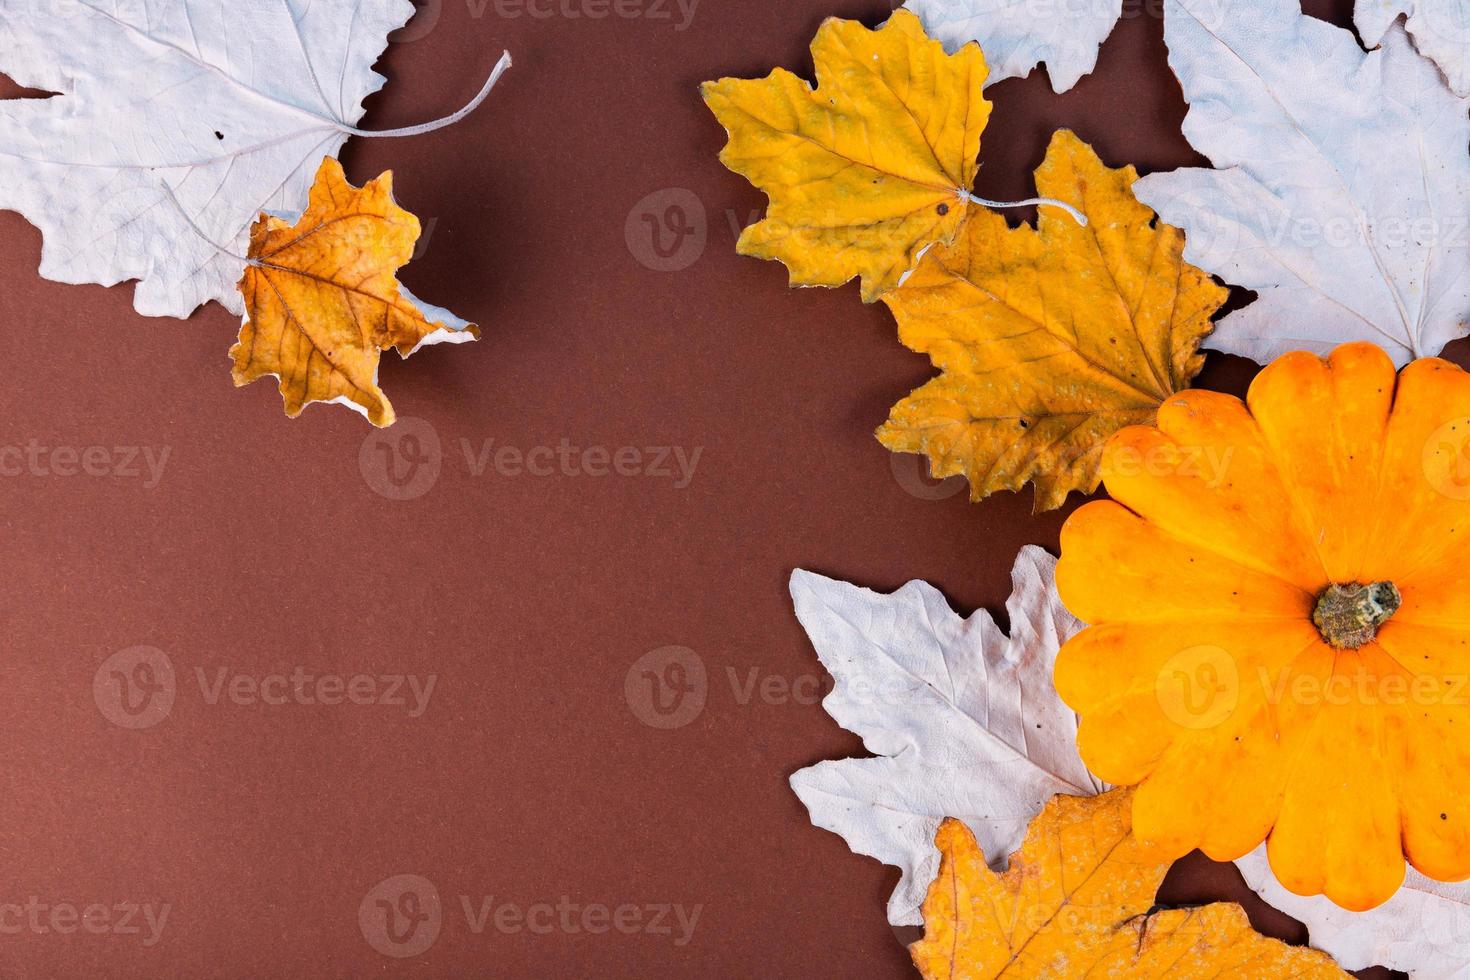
(1440, 28)
(1423, 930)
(177, 123)
(1343, 186)
(962, 720)
(1017, 35)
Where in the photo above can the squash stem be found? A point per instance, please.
(1348, 616)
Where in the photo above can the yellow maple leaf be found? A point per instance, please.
(1077, 900)
(1049, 339)
(869, 168)
(322, 298)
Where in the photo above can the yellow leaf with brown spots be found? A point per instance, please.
(869, 168)
(1078, 901)
(322, 298)
(1049, 339)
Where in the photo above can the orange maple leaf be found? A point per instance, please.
(322, 298)
(1078, 900)
(1049, 339)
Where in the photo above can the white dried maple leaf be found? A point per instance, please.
(962, 720)
(1441, 31)
(1423, 930)
(1017, 35)
(1343, 186)
(177, 122)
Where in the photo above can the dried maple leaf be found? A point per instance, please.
(1049, 340)
(177, 122)
(962, 720)
(1016, 37)
(1078, 900)
(869, 168)
(322, 299)
(1342, 183)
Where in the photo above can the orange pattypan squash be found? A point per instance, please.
(1279, 600)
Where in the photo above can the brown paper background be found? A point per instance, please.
(529, 777)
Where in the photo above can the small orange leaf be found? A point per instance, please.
(322, 300)
(1078, 900)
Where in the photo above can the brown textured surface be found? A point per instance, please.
(529, 777)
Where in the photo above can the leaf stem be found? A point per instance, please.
(429, 127)
(1077, 216)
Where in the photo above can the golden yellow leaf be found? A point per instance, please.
(322, 299)
(869, 168)
(1076, 901)
(1049, 339)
